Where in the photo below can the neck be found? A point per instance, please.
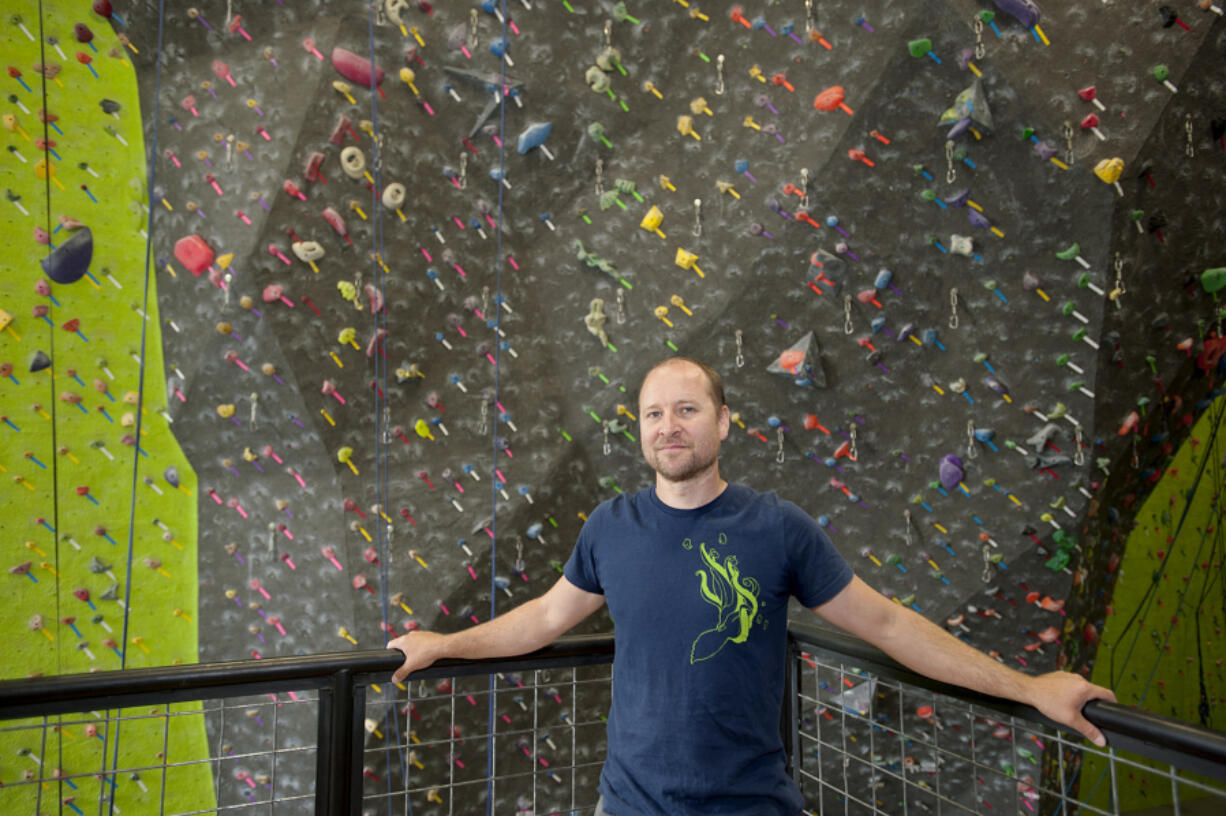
(701, 489)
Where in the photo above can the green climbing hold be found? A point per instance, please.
(1070, 253)
(1027, 133)
(1058, 561)
(1213, 280)
(920, 47)
(1161, 73)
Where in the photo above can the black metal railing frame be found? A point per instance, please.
(342, 679)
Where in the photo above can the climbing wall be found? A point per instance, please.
(99, 528)
(414, 262)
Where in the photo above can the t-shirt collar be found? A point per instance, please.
(695, 512)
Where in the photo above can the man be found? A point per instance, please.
(697, 574)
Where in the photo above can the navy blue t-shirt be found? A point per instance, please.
(699, 603)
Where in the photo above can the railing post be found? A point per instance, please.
(789, 722)
(338, 747)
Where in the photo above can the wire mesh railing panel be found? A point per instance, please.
(873, 745)
(515, 743)
(172, 759)
(278, 779)
(529, 739)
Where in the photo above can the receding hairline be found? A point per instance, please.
(715, 385)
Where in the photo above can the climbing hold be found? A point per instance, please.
(356, 68)
(1026, 11)
(1109, 170)
(534, 136)
(800, 361)
(39, 362)
(393, 195)
(1213, 280)
(951, 472)
(69, 262)
(194, 253)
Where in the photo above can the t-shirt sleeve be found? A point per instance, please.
(819, 571)
(580, 568)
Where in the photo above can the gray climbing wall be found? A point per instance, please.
(485, 286)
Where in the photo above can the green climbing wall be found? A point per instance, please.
(1162, 636)
(76, 493)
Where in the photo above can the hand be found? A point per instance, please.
(420, 650)
(1061, 695)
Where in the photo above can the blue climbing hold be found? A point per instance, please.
(533, 136)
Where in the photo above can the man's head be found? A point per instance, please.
(682, 418)
(715, 383)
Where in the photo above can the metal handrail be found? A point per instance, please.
(70, 693)
(343, 675)
(1175, 742)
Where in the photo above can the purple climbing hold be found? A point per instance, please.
(1026, 11)
(1045, 149)
(959, 198)
(996, 385)
(951, 472)
(977, 219)
(960, 127)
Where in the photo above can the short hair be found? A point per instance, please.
(714, 382)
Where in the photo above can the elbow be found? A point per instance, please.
(550, 624)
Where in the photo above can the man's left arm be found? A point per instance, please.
(921, 645)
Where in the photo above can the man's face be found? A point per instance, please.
(680, 426)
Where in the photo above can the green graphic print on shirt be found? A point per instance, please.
(735, 598)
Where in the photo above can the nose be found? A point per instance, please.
(668, 425)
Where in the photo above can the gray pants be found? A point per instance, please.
(600, 811)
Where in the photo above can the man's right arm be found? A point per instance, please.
(524, 629)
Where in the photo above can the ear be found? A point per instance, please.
(725, 422)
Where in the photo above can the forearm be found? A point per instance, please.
(921, 645)
(924, 647)
(524, 629)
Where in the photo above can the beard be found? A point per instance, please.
(681, 465)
